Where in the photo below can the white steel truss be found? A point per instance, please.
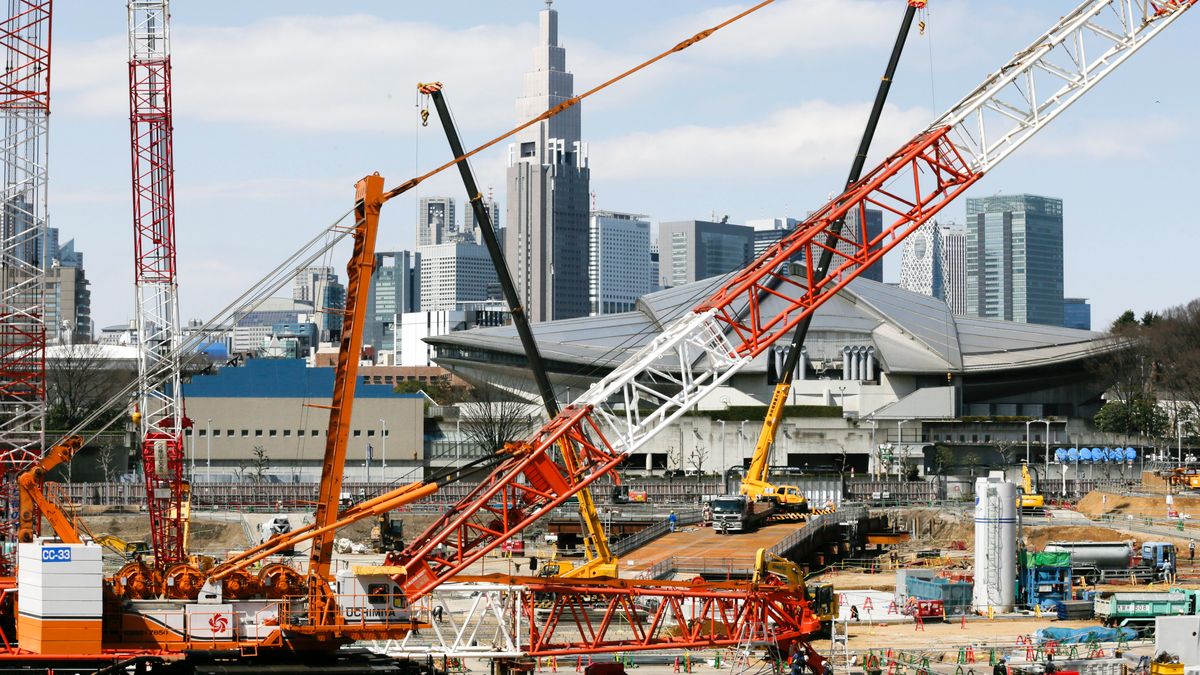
(25, 106)
(475, 620)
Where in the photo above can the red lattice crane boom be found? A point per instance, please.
(160, 407)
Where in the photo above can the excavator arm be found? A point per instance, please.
(34, 501)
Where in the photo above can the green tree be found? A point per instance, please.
(1127, 319)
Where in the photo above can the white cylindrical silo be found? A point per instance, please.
(846, 363)
(802, 367)
(870, 375)
(995, 545)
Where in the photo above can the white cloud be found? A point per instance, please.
(1106, 139)
(814, 136)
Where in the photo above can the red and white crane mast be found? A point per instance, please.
(25, 109)
(159, 408)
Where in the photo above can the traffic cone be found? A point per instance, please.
(920, 625)
(963, 624)
(867, 604)
(579, 664)
(675, 669)
(892, 608)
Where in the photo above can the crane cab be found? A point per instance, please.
(371, 598)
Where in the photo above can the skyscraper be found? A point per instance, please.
(767, 231)
(922, 264)
(954, 268)
(618, 269)
(435, 221)
(470, 229)
(691, 250)
(853, 234)
(453, 275)
(395, 290)
(546, 232)
(68, 293)
(319, 288)
(1015, 258)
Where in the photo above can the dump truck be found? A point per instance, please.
(738, 513)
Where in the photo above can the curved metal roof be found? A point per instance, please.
(912, 333)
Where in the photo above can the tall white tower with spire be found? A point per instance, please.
(546, 234)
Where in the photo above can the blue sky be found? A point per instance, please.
(281, 106)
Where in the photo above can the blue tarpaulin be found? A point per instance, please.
(1070, 636)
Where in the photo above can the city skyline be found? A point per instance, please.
(754, 164)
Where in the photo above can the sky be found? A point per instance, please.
(280, 106)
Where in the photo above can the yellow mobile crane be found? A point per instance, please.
(755, 484)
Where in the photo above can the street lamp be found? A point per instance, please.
(1047, 472)
(383, 443)
(208, 460)
(458, 441)
(842, 399)
(723, 467)
(1179, 437)
(741, 435)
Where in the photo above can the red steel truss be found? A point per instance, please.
(161, 408)
(580, 617)
(912, 185)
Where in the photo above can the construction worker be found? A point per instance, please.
(1192, 550)
(672, 521)
(1001, 667)
(1168, 572)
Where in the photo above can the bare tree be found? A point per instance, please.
(696, 459)
(491, 419)
(105, 458)
(79, 381)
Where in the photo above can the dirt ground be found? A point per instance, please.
(1100, 503)
(978, 630)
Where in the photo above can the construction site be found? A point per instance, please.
(539, 557)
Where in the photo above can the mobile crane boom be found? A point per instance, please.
(755, 483)
(753, 309)
(600, 560)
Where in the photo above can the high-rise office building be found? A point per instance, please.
(546, 229)
(1077, 313)
(954, 268)
(470, 227)
(922, 263)
(618, 272)
(395, 290)
(68, 294)
(767, 231)
(453, 275)
(435, 221)
(853, 234)
(320, 289)
(1015, 258)
(691, 250)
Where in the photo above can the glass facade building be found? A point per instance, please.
(1015, 258)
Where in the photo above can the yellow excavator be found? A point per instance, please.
(1030, 499)
(822, 601)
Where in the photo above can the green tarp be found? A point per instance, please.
(1048, 559)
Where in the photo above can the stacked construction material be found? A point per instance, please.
(1071, 610)
(59, 597)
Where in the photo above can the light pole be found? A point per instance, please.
(208, 459)
(458, 441)
(1179, 437)
(842, 399)
(383, 443)
(741, 435)
(1047, 472)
